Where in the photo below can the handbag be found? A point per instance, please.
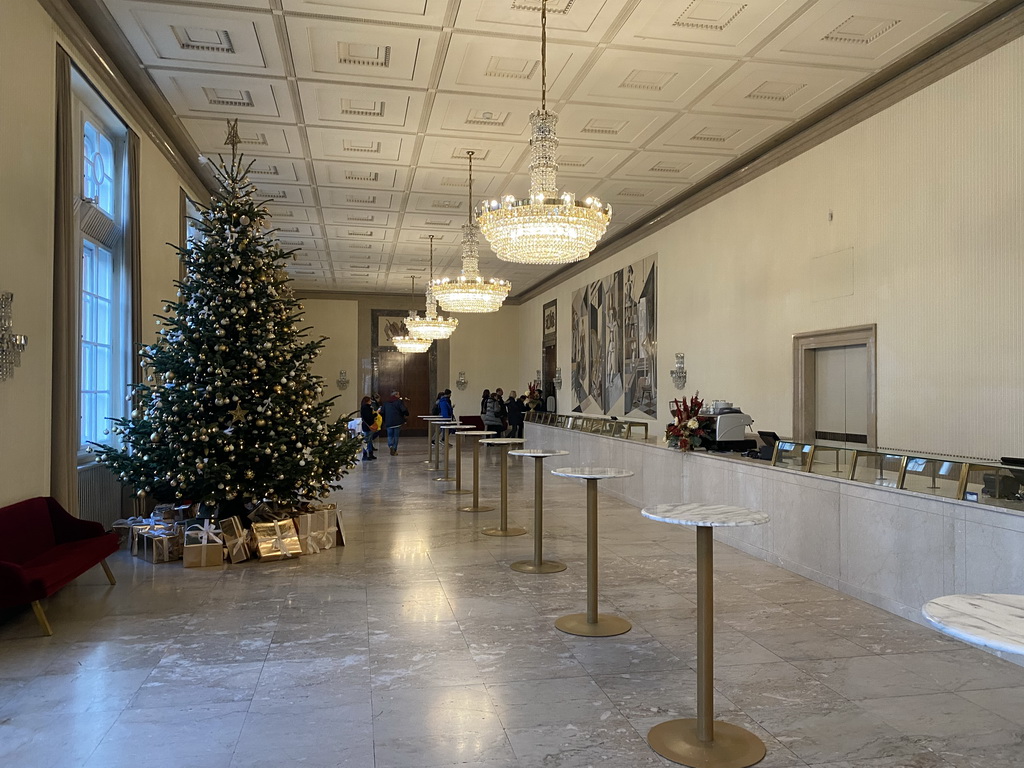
(378, 422)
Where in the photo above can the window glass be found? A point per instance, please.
(98, 168)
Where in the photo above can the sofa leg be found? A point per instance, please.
(106, 570)
(42, 618)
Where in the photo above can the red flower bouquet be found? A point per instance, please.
(688, 431)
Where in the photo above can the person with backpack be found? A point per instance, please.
(492, 415)
(395, 415)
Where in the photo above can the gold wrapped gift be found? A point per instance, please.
(316, 530)
(160, 545)
(276, 540)
(203, 546)
(235, 539)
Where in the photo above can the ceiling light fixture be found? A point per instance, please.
(469, 292)
(431, 325)
(411, 344)
(545, 228)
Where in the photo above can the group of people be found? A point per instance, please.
(376, 416)
(504, 416)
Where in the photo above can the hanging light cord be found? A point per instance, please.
(431, 237)
(470, 211)
(543, 55)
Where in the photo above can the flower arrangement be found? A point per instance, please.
(688, 431)
(533, 394)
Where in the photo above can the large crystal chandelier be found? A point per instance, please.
(431, 325)
(411, 344)
(469, 292)
(545, 228)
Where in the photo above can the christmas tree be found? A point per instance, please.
(229, 411)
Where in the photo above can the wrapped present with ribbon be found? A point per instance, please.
(269, 512)
(236, 539)
(160, 545)
(165, 513)
(327, 536)
(203, 545)
(276, 540)
(315, 530)
(123, 528)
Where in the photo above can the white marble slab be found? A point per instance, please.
(591, 473)
(705, 515)
(478, 432)
(992, 620)
(432, 418)
(504, 441)
(538, 453)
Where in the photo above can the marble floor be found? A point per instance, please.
(415, 646)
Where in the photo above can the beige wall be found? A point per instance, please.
(926, 197)
(486, 347)
(336, 319)
(28, 41)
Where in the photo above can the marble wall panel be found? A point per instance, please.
(994, 562)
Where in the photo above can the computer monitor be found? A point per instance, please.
(769, 438)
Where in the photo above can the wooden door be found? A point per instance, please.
(410, 375)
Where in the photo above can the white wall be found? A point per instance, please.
(28, 41)
(928, 200)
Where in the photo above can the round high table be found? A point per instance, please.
(592, 623)
(538, 564)
(475, 507)
(703, 742)
(990, 620)
(477, 433)
(503, 529)
(431, 420)
(445, 428)
(437, 424)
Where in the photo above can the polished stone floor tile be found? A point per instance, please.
(417, 646)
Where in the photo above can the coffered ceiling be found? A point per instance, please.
(359, 113)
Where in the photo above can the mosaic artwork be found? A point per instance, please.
(615, 342)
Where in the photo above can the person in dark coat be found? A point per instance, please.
(516, 409)
(369, 416)
(395, 415)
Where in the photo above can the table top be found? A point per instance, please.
(705, 515)
(434, 418)
(992, 620)
(592, 473)
(478, 432)
(504, 441)
(455, 425)
(538, 453)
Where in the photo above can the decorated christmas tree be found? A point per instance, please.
(229, 411)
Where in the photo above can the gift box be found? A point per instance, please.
(333, 534)
(161, 545)
(203, 545)
(236, 539)
(269, 512)
(315, 530)
(276, 540)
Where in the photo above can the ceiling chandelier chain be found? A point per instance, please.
(469, 292)
(432, 325)
(410, 343)
(546, 228)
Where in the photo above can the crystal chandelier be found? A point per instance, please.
(545, 228)
(411, 344)
(469, 292)
(431, 325)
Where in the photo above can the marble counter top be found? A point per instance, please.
(705, 515)
(591, 473)
(993, 620)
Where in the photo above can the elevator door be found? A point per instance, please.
(841, 396)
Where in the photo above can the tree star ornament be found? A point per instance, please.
(238, 414)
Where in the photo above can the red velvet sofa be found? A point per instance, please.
(42, 548)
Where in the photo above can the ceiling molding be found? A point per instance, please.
(941, 57)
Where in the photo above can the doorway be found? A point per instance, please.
(549, 366)
(415, 375)
(834, 390)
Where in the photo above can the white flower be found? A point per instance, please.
(692, 424)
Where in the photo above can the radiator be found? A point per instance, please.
(100, 497)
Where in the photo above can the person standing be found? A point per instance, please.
(492, 413)
(368, 416)
(445, 403)
(516, 408)
(395, 415)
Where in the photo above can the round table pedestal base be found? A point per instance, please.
(476, 509)
(605, 626)
(733, 747)
(510, 531)
(453, 492)
(545, 566)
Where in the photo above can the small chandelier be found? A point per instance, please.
(469, 292)
(431, 325)
(545, 228)
(410, 344)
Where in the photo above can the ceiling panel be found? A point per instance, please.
(358, 113)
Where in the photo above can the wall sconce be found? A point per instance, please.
(343, 381)
(461, 382)
(557, 381)
(679, 372)
(11, 344)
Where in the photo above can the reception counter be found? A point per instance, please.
(892, 548)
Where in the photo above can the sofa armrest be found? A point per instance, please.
(14, 589)
(68, 528)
